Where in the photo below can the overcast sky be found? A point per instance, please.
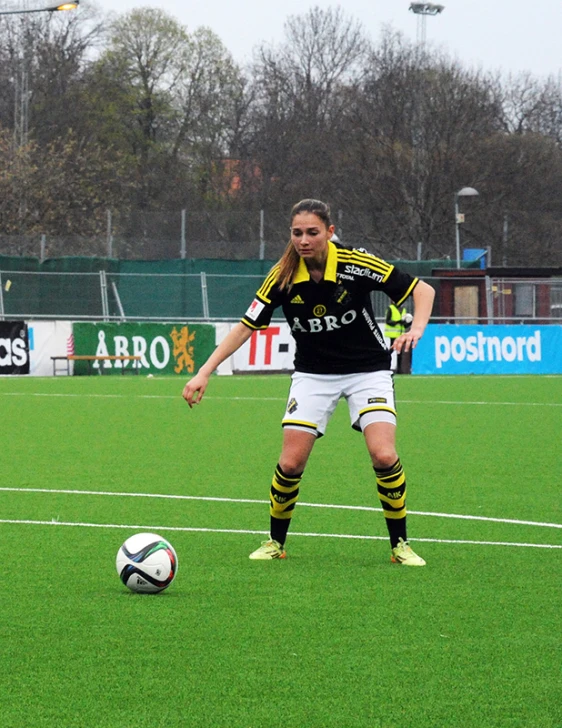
(507, 35)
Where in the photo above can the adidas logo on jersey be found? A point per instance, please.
(297, 299)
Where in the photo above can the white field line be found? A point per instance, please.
(217, 499)
(266, 399)
(157, 529)
(285, 376)
(135, 396)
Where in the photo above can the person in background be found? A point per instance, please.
(324, 290)
(397, 322)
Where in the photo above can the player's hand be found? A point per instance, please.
(407, 340)
(195, 389)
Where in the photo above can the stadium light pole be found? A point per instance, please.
(459, 218)
(50, 9)
(422, 10)
(21, 110)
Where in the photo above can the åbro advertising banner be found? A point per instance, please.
(179, 348)
(489, 349)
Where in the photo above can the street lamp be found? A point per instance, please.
(459, 218)
(21, 90)
(50, 9)
(21, 87)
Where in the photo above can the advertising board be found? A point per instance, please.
(267, 350)
(174, 348)
(489, 349)
(14, 347)
(48, 339)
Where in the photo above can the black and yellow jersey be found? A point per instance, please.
(333, 321)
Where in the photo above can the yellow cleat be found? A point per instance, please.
(403, 554)
(269, 550)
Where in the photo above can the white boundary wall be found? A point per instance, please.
(47, 339)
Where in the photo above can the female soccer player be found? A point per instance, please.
(324, 289)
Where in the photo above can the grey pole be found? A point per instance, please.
(1, 299)
(204, 296)
(104, 298)
(262, 235)
(505, 238)
(183, 225)
(457, 231)
(463, 192)
(109, 236)
(489, 300)
(118, 300)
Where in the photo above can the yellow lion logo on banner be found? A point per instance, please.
(183, 349)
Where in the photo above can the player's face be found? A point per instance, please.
(310, 236)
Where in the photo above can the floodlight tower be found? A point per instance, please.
(21, 111)
(24, 8)
(21, 108)
(422, 10)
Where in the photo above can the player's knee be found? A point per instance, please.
(292, 466)
(384, 457)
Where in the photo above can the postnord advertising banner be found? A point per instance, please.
(14, 348)
(489, 349)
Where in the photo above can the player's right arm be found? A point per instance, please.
(195, 388)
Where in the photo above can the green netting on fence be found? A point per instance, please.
(13, 262)
(160, 295)
(198, 265)
(79, 287)
(77, 264)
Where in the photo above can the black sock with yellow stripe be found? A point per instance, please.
(391, 486)
(283, 495)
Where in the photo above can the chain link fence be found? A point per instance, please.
(106, 295)
(229, 235)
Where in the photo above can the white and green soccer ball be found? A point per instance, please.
(147, 563)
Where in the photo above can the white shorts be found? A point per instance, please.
(313, 399)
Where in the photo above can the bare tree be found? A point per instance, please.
(299, 91)
(42, 59)
(165, 120)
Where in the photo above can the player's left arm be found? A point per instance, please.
(423, 296)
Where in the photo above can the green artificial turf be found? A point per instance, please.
(334, 635)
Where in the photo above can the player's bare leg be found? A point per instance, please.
(297, 446)
(284, 492)
(380, 438)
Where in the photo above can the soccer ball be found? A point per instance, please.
(147, 563)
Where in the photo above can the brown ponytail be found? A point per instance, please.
(288, 264)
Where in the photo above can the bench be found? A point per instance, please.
(91, 359)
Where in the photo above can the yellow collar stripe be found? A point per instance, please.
(303, 275)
